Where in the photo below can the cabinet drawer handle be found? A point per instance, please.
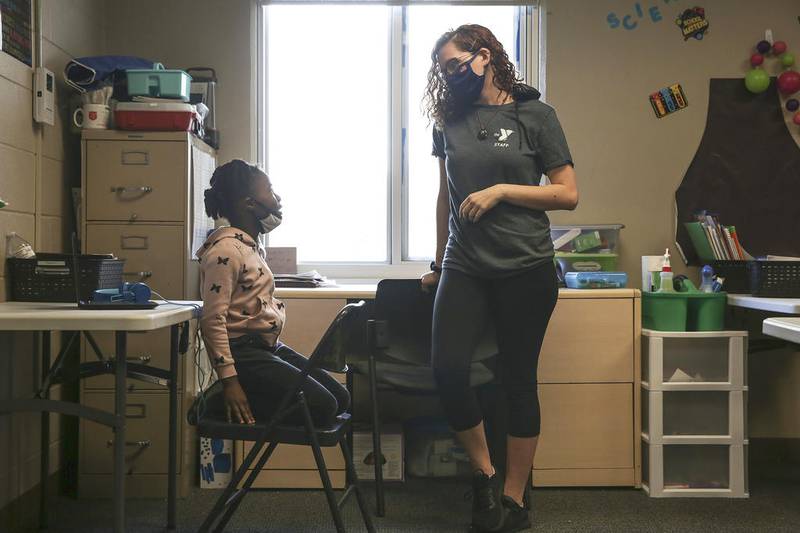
(144, 274)
(135, 410)
(144, 358)
(137, 443)
(140, 245)
(144, 189)
(135, 157)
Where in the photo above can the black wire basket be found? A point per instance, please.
(775, 279)
(767, 279)
(50, 278)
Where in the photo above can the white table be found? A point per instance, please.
(45, 317)
(786, 328)
(787, 306)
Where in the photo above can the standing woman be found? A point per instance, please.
(494, 255)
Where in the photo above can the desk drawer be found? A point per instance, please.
(149, 348)
(589, 340)
(147, 435)
(153, 254)
(136, 180)
(586, 425)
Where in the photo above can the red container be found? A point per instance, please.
(153, 116)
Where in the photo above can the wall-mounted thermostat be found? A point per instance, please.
(43, 96)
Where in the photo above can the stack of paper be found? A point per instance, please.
(306, 279)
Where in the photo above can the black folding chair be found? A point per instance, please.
(399, 354)
(329, 355)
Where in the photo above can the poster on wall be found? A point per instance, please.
(15, 19)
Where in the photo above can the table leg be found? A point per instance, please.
(172, 487)
(120, 364)
(45, 434)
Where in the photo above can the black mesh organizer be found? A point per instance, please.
(767, 279)
(49, 277)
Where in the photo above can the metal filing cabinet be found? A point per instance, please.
(142, 200)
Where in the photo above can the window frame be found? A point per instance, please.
(529, 54)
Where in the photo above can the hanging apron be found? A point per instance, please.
(747, 170)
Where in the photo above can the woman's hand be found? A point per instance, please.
(429, 280)
(236, 402)
(478, 203)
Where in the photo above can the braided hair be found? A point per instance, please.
(229, 183)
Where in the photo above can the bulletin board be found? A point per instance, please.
(15, 16)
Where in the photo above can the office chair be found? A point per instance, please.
(399, 354)
(328, 355)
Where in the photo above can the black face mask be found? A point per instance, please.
(464, 84)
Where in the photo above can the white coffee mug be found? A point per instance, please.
(92, 117)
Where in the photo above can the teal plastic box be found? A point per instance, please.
(159, 83)
(596, 280)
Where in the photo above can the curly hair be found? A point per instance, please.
(438, 102)
(229, 183)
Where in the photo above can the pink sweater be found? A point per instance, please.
(236, 286)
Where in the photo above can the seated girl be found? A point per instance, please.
(242, 321)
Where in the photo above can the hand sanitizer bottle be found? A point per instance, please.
(666, 274)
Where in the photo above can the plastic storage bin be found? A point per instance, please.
(684, 311)
(601, 238)
(697, 417)
(696, 470)
(596, 280)
(578, 262)
(694, 360)
(159, 83)
(151, 116)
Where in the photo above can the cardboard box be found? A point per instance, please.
(392, 451)
(216, 463)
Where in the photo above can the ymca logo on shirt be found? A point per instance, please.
(502, 136)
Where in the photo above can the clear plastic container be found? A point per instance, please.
(693, 360)
(696, 413)
(597, 238)
(596, 280)
(690, 466)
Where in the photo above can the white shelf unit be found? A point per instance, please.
(694, 414)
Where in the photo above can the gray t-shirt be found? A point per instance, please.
(507, 239)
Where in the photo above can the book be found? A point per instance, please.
(714, 241)
(729, 241)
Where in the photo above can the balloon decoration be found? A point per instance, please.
(757, 80)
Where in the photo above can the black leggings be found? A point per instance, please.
(520, 307)
(266, 375)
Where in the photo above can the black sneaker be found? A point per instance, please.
(487, 511)
(515, 518)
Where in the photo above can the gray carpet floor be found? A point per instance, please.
(439, 506)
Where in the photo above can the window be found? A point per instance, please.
(342, 134)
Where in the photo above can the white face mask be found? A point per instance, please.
(270, 222)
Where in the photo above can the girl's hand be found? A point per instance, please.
(429, 280)
(478, 203)
(236, 402)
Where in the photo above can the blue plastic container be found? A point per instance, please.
(596, 280)
(159, 83)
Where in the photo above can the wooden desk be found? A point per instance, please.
(48, 317)
(589, 383)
